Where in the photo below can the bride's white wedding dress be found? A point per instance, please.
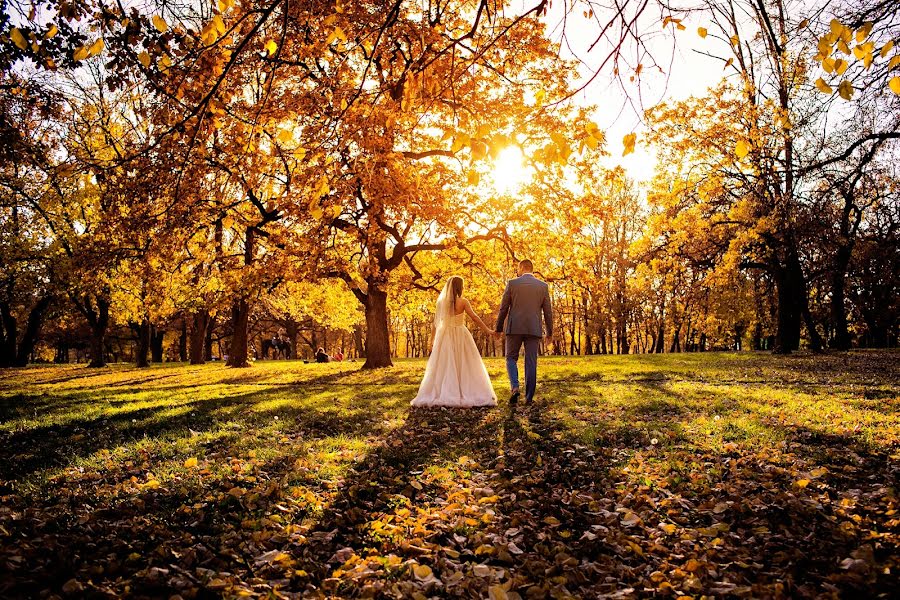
(455, 374)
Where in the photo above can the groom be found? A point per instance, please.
(524, 299)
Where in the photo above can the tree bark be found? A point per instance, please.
(240, 320)
(142, 335)
(98, 320)
(841, 339)
(157, 337)
(238, 355)
(378, 348)
(208, 340)
(183, 341)
(290, 328)
(787, 316)
(197, 344)
(9, 333)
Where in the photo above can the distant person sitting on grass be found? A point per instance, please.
(322, 356)
(337, 356)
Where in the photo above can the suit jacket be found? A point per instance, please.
(524, 299)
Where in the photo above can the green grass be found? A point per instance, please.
(719, 474)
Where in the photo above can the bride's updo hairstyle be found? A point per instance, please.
(456, 290)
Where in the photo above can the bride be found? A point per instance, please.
(455, 374)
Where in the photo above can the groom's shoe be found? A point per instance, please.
(514, 397)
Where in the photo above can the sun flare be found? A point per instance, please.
(510, 172)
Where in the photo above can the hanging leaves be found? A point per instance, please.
(845, 89)
(823, 87)
(628, 143)
(160, 24)
(18, 38)
(702, 32)
(894, 85)
(742, 148)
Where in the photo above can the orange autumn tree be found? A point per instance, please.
(349, 137)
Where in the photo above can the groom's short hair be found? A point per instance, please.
(526, 265)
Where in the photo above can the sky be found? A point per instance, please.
(620, 105)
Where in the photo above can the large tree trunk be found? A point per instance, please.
(183, 341)
(359, 345)
(787, 317)
(97, 346)
(142, 335)
(378, 346)
(208, 341)
(240, 321)
(157, 336)
(197, 347)
(9, 333)
(98, 319)
(290, 328)
(841, 339)
(238, 355)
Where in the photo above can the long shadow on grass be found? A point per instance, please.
(303, 404)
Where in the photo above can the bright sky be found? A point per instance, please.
(686, 73)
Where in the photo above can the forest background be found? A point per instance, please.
(194, 181)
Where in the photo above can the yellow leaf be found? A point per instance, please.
(285, 136)
(669, 528)
(628, 142)
(81, 53)
(591, 142)
(96, 48)
(836, 27)
(828, 65)
(51, 32)
(863, 32)
(473, 177)
(840, 65)
(479, 149)
(18, 39)
(895, 62)
(219, 24)
(422, 571)
(845, 89)
(887, 48)
(801, 483)
(741, 149)
(539, 97)
(894, 84)
(735, 40)
(823, 87)
(271, 47)
(190, 463)
(144, 57)
(701, 31)
(316, 213)
(160, 24)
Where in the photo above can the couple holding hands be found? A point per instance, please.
(455, 375)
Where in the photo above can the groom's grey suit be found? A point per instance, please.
(525, 299)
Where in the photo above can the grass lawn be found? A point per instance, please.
(737, 475)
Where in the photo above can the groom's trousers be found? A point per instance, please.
(513, 346)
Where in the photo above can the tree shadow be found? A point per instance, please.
(586, 518)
